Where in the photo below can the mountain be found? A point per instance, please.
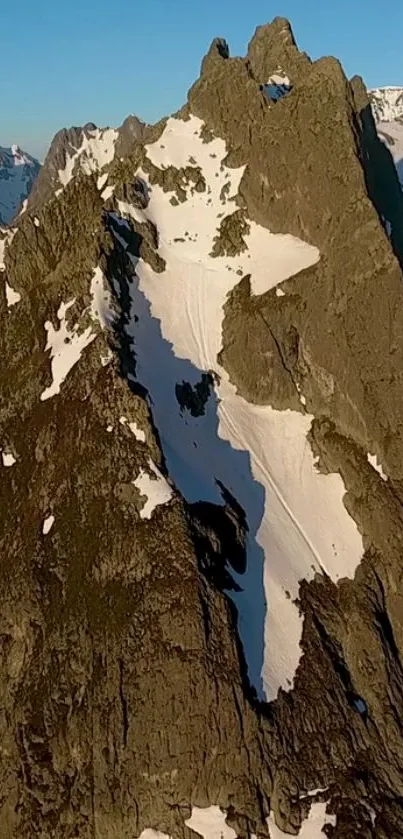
(387, 107)
(387, 104)
(18, 171)
(82, 149)
(202, 469)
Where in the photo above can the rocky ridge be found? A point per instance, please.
(127, 702)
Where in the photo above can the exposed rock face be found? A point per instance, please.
(127, 697)
(131, 130)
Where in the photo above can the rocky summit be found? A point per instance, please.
(201, 468)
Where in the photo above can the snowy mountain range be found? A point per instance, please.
(18, 171)
(201, 467)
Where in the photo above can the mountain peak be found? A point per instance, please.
(387, 103)
(18, 171)
(201, 458)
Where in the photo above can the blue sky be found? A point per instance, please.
(67, 63)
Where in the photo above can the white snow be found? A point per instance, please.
(156, 489)
(280, 292)
(96, 151)
(107, 358)
(314, 792)
(107, 192)
(101, 299)
(298, 524)
(48, 524)
(23, 208)
(153, 834)
(311, 828)
(210, 823)
(373, 460)
(138, 433)
(36, 222)
(279, 79)
(102, 180)
(12, 296)
(129, 209)
(65, 348)
(8, 458)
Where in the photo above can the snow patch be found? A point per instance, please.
(133, 427)
(314, 792)
(298, 524)
(311, 828)
(277, 86)
(36, 222)
(107, 192)
(156, 489)
(12, 296)
(66, 348)
(373, 461)
(278, 79)
(210, 822)
(8, 458)
(153, 834)
(101, 299)
(48, 524)
(23, 208)
(102, 180)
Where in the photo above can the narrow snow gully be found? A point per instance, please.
(297, 523)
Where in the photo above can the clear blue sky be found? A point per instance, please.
(67, 62)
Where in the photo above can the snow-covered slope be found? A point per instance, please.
(298, 524)
(18, 171)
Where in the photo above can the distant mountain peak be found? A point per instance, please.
(387, 103)
(18, 171)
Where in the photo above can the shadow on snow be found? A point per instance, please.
(204, 467)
